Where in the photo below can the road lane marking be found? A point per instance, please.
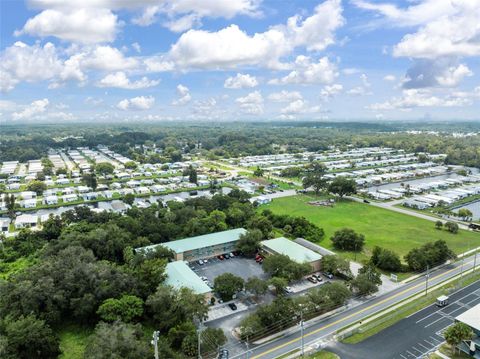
(356, 313)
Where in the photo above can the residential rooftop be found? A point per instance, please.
(295, 251)
(179, 275)
(197, 242)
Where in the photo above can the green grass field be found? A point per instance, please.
(381, 227)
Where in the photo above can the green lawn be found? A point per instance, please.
(395, 231)
(323, 355)
(73, 339)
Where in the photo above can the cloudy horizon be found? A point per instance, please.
(153, 60)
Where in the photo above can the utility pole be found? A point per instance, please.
(248, 347)
(301, 328)
(156, 333)
(426, 280)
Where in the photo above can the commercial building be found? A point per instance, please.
(294, 251)
(179, 275)
(205, 246)
(471, 318)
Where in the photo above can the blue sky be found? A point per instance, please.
(128, 60)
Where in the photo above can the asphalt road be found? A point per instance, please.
(317, 332)
(415, 336)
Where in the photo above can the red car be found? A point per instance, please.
(220, 257)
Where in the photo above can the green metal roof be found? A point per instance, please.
(295, 251)
(179, 275)
(207, 240)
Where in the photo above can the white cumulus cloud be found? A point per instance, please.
(231, 47)
(184, 97)
(83, 25)
(240, 81)
(136, 103)
(252, 103)
(285, 96)
(120, 80)
(307, 71)
(412, 98)
(329, 91)
(35, 108)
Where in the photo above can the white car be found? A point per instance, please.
(231, 255)
(200, 262)
(288, 290)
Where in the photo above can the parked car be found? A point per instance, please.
(366, 201)
(204, 278)
(311, 279)
(200, 262)
(220, 257)
(318, 277)
(226, 256)
(205, 261)
(288, 290)
(232, 306)
(231, 255)
(328, 275)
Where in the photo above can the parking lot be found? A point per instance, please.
(240, 266)
(416, 335)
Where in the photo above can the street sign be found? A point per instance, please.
(394, 277)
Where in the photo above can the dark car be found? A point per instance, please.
(366, 201)
(232, 306)
(328, 275)
(226, 256)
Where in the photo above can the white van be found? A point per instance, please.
(442, 301)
